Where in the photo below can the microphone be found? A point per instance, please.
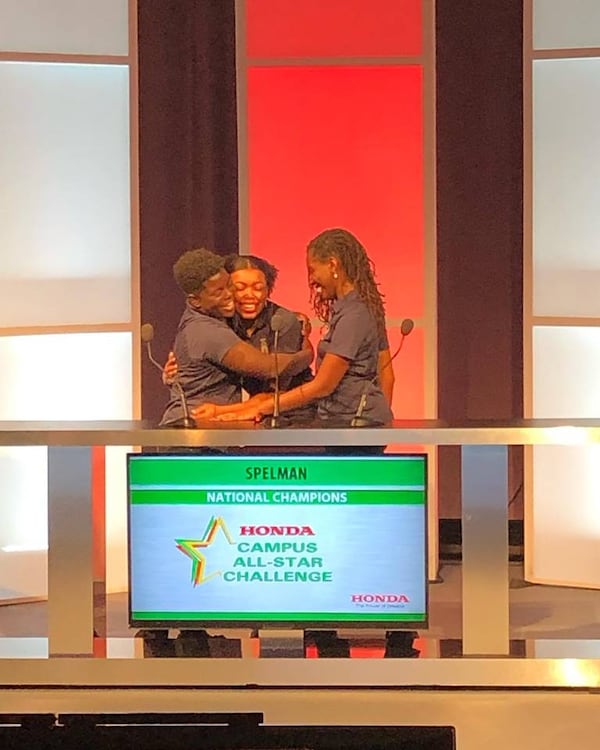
(405, 328)
(147, 335)
(358, 421)
(277, 323)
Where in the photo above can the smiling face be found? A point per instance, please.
(215, 298)
(250, 292)
(321, 275)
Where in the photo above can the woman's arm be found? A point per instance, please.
(242, 358)
(247, 360)
(293, 338)
(385, 372)
(327, 379)
(208, 411)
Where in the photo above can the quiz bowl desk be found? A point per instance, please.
(485, 612)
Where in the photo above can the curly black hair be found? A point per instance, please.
(242, 262)
(358, 267)
(195, 267)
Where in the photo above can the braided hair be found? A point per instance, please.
(358, 267)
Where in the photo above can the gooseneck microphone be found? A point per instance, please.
(186, 422)
(277, 323)
(405, 328)
(358, 421)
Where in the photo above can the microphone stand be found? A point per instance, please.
(278, 323)
(275, 415)
(186, 422)
(358, 420)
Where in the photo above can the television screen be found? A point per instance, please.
(277, 541)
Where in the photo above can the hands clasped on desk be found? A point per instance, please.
(249, 410)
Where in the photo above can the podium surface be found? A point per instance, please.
(484, 501)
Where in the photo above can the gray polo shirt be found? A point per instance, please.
(200, 345)
(263, 339)
(353, 335)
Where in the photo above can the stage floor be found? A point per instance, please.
(545, 621)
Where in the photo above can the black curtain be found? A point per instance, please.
(479, 72)
(188, 155)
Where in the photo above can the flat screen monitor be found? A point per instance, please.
(277, 541)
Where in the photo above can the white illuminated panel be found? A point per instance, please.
(23, 576)
(566, 516)
(23, 493)
(74, 376)
(116, 518)
(23, 648)
(566, 187)
(566, 371)
(64, 26)
(24, 522)
(566, 649)
(566, 24)
(565, 543)
(64, 194)
(65, 253)
(57, 377)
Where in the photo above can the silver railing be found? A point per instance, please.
(485, 576)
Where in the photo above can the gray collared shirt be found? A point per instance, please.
(353, 335)
(200, 345)
(262, 338)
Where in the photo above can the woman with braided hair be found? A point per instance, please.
(354, 348)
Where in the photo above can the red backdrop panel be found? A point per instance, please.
(338, 146)
(333, 28)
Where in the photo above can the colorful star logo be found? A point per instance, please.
(192, 547)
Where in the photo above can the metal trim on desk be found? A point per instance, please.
(423, 432)
(299, 673)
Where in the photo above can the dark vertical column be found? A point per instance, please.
(479, 200)
(188, 154)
